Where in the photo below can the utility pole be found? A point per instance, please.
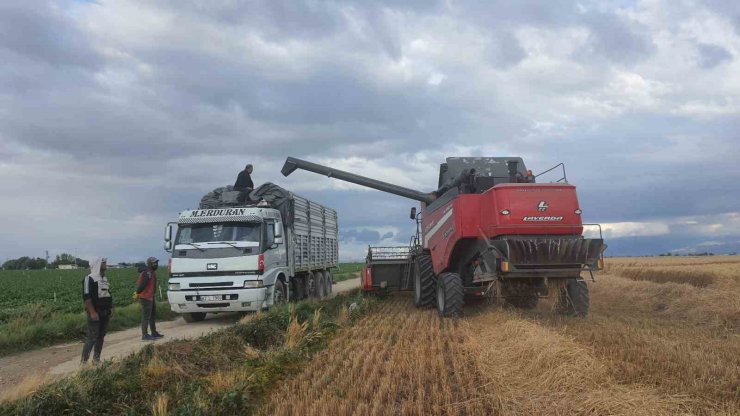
(47, 260)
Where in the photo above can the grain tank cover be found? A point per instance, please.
(491, 167)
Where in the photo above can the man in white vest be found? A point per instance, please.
(98, 307)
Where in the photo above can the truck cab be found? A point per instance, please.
(226, 260)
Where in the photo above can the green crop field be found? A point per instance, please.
(43, 307)
(346, 271)
(60, 290)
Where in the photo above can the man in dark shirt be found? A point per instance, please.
(98, 306)
(244, 180)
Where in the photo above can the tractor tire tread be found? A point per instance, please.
(574, 298)
(454, 294)
(424, 267)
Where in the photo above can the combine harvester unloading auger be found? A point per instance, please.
(489, 231)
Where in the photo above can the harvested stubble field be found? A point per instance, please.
(662, 339)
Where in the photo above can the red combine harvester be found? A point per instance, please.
(489, 230)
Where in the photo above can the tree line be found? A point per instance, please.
(30, 263)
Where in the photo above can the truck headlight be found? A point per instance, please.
(252, 283)
(174, 286)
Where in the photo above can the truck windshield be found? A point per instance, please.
(204, 233)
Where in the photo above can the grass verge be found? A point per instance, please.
(224, 373)
(39, 326)
(346, 271)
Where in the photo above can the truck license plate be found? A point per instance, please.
(210, 298)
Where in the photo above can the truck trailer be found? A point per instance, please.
(237, 254)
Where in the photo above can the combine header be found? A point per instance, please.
(489, 230)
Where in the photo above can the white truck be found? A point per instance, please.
(250, 256)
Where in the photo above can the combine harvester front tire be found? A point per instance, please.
(573, 299)
(423, 281)
(450, 294)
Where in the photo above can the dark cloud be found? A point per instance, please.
(363, 235)
(124, 114)
(712, 55)
(619, 41)
(41, 31)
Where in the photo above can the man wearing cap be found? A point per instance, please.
(98, 307)
(244, 180)
(146, 285)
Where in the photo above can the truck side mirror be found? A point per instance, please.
(413, 213)
(168, 232)
(168, 246)
(278, 232)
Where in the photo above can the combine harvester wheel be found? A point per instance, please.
(573, 299)
(450, 294)
(423, 281)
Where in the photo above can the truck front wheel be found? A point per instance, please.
(278, 295)
(194, 317)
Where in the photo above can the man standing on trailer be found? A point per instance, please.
(244, 180)
(98, 308)
(146, 287)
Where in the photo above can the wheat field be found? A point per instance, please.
(662, 338)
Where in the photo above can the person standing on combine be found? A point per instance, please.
(98, 307)
(244, 180)
(146, 286)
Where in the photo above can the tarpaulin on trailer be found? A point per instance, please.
(222, 197)
(278, 198)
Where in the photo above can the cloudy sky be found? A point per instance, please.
(116, 115)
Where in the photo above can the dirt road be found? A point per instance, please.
(62, 360)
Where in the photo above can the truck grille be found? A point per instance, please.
(215, 284)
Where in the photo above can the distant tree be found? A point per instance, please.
(82, 263)
(25, 263)
(66, 258)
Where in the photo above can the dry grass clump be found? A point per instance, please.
(26, 387)
(160, 407)
(343, 316)
(295, 333)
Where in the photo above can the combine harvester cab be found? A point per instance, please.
(490, 230)
(237, 253)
